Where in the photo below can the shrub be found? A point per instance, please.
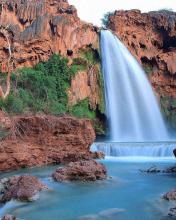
(82, 110)
(105, 19)
(42, 88)
(168, 106)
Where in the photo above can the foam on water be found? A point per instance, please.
(136, 150)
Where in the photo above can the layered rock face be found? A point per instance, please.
(42, 140)
(39, 28)
(151, 38)
(36, 29)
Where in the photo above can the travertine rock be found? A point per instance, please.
(151, 38)
(23, 188)
(85, 170)
(41, 140)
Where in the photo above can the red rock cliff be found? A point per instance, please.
(151, 37)
(39, 28)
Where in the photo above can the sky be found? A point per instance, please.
(93, 10)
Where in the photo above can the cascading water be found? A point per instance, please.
(132, 109)
(131, 106)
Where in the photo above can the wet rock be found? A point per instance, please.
(110, 212)
(174, 152)
(155, 169)
(152, 169)
(9, 217)
(170, 170)
(23, 188)
(98, 155)
(88, 217)
(85, 170)
(170, 195)
(172, 212)
(105, 214)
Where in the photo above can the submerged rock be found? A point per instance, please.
(155, 169)
(170, 170)
(85, 170)
(152, 169)
(172, 212)
(105, 214)
(170, 195)
(23, 188)
(9, 217)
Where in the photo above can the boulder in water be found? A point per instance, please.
(9, 217)
(23, 188)
(172, 212)
(170, 170)
(152, 169)
(85, 170)
(170, 195)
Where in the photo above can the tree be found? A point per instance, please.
(105, 19)
(5, 33)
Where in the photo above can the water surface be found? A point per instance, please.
(127, 194)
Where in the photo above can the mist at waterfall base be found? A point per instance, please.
(136, 125)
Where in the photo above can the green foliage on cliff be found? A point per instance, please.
(40, 89)
(44, 88)
(82, 110)
(87, 59)
(105, 19)
(168, 106)
(148, 70)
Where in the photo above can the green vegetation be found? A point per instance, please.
(100, 128)
(168, 106)
(165, 10)
(82, 110)
(40, 89)
(105, 19)
(44, 87)
(148, 69)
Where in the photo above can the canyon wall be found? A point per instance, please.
(39, 28)
(151, 38)
(36, 29)
(33, 30)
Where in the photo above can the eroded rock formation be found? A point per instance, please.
(9, 217)
(151, 38)
(39, 28)
(23, 188)
(170, 195)
(41, 140)
(85, 170)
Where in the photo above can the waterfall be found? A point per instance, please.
(142, 149)
(132, 110)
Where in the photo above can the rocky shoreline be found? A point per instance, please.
(26, 188)
(43, 140)
(38, 140)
